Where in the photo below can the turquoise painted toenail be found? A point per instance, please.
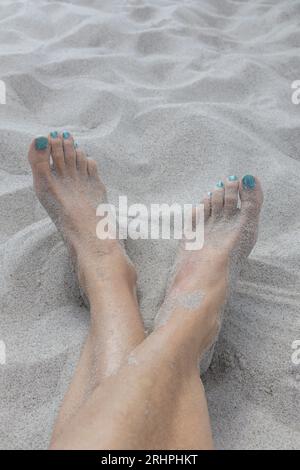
(54, 134)
(66, 134)
(232, 178)
(220, 184)
(248, 182)
(41, 143)
(209, 194)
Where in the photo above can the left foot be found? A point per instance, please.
(206, 275)
(70, 190)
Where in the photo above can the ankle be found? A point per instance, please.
(187, 277)
(108, 279)
(193, 324)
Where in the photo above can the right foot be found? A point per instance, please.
(204, 276)
(70, 190)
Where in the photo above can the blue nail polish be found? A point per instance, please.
(220, 184)
(209, 194)
(54, 134)
(248, 182)
(41, 143)
(66, 134)
(232, 178)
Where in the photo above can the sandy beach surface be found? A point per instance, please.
(169, 96)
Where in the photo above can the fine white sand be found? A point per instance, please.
(168, 96)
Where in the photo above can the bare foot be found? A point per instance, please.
(205, 276)
(70, 190)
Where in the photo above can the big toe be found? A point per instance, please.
(251, 196)
(39, 158)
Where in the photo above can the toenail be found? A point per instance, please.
(248, 182)
(209, 194)
(76, 145)
(220, 184)
(232, 178)
(54, 134)
(41, 143)
(66, 134)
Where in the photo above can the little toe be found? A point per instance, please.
(217, 200)
(207, 206)
(57, 152)
(231, 196)
(92, 168)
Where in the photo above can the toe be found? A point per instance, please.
(39, 157)
(81, 162)
(251, 195)
(92, 168)
(69, 151)
(217, 200)
(57, 152)
(231, 196)
(207, 206)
